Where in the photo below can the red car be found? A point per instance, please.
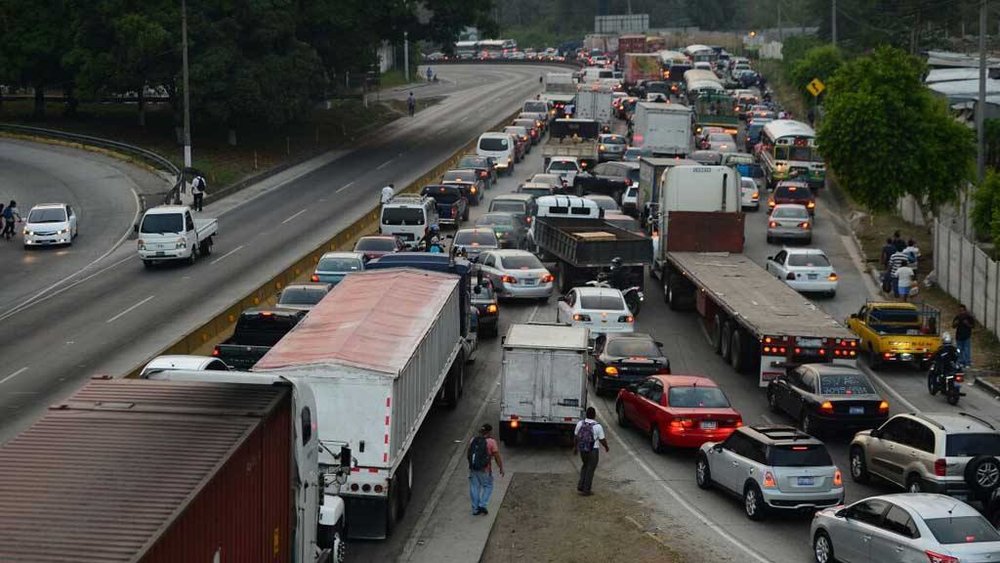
(682, 411)
(379, 245)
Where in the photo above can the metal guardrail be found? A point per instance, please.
(152, 158)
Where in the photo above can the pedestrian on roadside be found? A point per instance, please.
(10, 216)
(888, 250)
(387, 193)
(811, 116)
(411, 104)
(897, 241)
(912, 251)
(896, 261)
(198, 186)
(963, 324)
(589, 435)
(481, 453)
(430, 74)
(904, 280)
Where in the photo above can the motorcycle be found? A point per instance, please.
(949, 382)
(633, 295)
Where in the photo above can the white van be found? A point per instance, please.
(408, 217)
(501, 147)
(595, 73)
(566, 206)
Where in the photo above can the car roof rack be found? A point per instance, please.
(970, 415)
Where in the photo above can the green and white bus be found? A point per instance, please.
(788, 150)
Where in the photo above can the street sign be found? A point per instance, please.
(816, 87)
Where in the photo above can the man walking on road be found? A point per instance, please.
(411, 104)
(481, 453)
(387, 193)
(589, 435)
(963, 324)
(198, 191)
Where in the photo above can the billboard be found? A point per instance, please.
(631, 23)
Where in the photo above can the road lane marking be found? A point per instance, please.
(294, 216)
(13, 375)
(425, 516)
(898, 396)
(129, 310)
(233, 251)
(384, 164)
(344, 187)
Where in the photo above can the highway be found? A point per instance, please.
(117, 315)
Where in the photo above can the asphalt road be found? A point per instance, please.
(118, 315)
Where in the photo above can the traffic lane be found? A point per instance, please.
(103, 197)
(264, 241)
(910, 385)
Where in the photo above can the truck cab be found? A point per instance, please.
(170, 232)
(893, 332)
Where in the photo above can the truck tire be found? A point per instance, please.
(738, 351)
(726, 341)
(717, 334)
(206, 247)
(402, 481)
(391, 507)
(453, 382)
(193, 256)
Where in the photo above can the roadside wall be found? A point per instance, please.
(968, 274)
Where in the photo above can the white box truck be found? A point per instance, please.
(594, 104)
(376, 351)
(543, 379)
(663, 129)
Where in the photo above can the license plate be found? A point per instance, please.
(161, 253)
(857, 410)
(709, 425)
(806, 481)
(813, 276)
(809, 342)
(530, 282)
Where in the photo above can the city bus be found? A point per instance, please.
(788, 150)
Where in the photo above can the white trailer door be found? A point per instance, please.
(518, 384)
(560, 388)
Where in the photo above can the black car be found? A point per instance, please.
(483, 165)
(484, 299)
(508, 228)
(608, 178)
(450, 200)
(621, 359)
(827, 396)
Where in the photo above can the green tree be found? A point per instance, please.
(34, 36)
(986, 206)
(819, 62)
(885, 135)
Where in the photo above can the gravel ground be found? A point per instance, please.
(543, 518)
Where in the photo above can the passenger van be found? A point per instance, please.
(566, 206)
(593, 73)
(521, 205)
(408, 217)
(500, 146)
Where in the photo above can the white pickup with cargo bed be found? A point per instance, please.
(170, 232)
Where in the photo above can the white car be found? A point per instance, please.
(184, 363)
(567, 167)
(516, 274)
(749, 194)
(49, 224)
(630, 200)
(601, 309)
(804, 269)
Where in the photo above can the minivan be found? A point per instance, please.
(500, 146)
(408, 217)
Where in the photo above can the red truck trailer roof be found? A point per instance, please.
(370, 320)
(141, 470)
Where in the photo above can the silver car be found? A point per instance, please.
(517, 274)
(474, 241)
(302, 296)
(789, 221)
(905, 527)
(611, 147)
(771, 468)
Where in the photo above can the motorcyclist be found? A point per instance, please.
(431, 238)
(617, 277)
(943, 361)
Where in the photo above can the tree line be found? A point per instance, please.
(251, 61)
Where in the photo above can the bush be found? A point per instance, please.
(986, 207)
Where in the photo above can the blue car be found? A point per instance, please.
(333, 266)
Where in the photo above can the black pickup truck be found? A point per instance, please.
(583, 248)
(607, 178)
(257, 330)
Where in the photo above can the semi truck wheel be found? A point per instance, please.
(717, 334)
(392, 507)
(725, 346)
(737, 351)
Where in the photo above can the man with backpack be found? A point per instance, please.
(589, 434)
(481, 453)
(198, 191)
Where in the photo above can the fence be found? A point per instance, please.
(967, 274)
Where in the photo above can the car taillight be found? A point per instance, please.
(959, 377)
(626, 319)
(883, 407)
(314, 278)
(514, 421)
(482, 173)
(789, 276)
(770, 203)
(628, 182)
(611, 370)
(772, 224)
(811, 204)
(804, 225)
(940, 467)
(547, 278)
(579, 317)
(769, 482)
(682, 423)
(215, 351)
(508, 279)
(933, 557)
(838, 478)
(491, 308)
(832, 277)
(826, 407)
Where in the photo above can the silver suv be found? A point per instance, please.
(949, 453)
(771, 468)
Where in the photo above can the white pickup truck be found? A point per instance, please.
(170, 232)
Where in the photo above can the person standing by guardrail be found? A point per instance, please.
(198, 191)
(411, 104)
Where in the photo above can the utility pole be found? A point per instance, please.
(833, 23)
(187, 89)
(406, 56)
(781, 33)
(981, 102)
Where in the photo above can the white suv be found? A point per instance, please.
(771, 468)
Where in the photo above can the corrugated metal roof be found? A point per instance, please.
(100, 476)
(371, 320)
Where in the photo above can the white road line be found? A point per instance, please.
(384, 164)
(129, 310)
(13, 375)
(428, 512)
(344, 187)
(235, 250)
(677, 497)
(294, 216)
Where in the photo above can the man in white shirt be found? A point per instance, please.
(904, 276)
(387, 193)
(588, 436)
(896, 261)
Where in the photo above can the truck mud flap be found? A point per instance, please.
(366, 517)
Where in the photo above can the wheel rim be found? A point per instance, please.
(987, 475)
(700, 471)
(914, 486)
(856, 464)
(751, 502)
(822, 549)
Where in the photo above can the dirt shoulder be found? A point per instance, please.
(543, 518)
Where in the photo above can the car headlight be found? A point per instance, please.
(142, 244)
(181, 243)
(28, 233)
(63, 231)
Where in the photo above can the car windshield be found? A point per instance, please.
(493, 144)
(496, 219)
(793, 192)
(537, 107)
(971, 445)
(301, 296)
(384, 244)
(791, 213)
(472, 162)
(477, 238)
(563, 165)
(697, 397)
(808, 260)
(720, 138)
(508, 206)
(163, 223)
(402, 216)
(337, 264)
(602, 302)
(460, 175)
(633, 347)
(845, 384)
(48, 215)
(962, 529)
(803, 455)
(521, 262)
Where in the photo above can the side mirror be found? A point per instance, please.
(717, 448)
(345, 458)
(770, 258)
(842, 513)
(875, 433)
(658, 344)
(135, 228)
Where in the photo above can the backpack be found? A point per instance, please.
(585, 437)
(479, 454)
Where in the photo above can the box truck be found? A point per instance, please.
(662, 129)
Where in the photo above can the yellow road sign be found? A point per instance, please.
(816, 87)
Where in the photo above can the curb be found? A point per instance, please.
(987, 386)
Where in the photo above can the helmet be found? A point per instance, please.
(616, 262)
(946, 338)
(435, 229)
